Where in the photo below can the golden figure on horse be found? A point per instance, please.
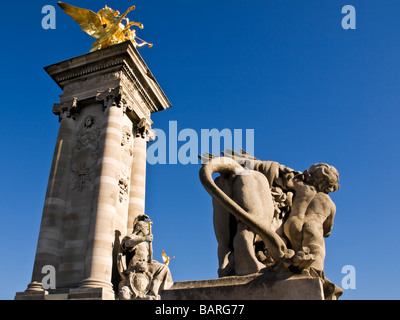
(107, 26)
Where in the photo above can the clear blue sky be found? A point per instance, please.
(312, 92)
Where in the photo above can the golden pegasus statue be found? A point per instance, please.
(106, 26)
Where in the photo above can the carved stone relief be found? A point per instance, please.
(127, 154)
(91, 82)
(126, 162)
(139, 96)
(123, 189)
(86, 154)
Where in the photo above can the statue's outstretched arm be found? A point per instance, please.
(134, 240)
(122, 17)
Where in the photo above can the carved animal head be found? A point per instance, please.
(323, 176)
(107, 14)
(141, 265)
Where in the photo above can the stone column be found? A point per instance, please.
(93, 188)
(137, 196)
(50, 236)
(101, 235)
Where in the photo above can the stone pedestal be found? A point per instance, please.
(273, 286)
(97, 180)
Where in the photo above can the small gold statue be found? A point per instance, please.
(166, 259)
(106, 26)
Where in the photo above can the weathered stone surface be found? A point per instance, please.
(31, 296)
(251, 287)
(90, 294)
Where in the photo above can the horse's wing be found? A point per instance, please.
(88, 20)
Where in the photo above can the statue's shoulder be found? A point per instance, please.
(126, 238)
(123, 244)
(325, 200)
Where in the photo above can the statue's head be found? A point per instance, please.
(323, 176)
(89, 121)
(140, 225)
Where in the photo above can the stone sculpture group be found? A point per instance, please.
(142, 278)
(267, 215)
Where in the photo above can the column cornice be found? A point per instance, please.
(123, 59)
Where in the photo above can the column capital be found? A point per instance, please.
(116, 97)
(143, 130)
(67, 108)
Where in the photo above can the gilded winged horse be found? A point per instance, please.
(106, 26)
